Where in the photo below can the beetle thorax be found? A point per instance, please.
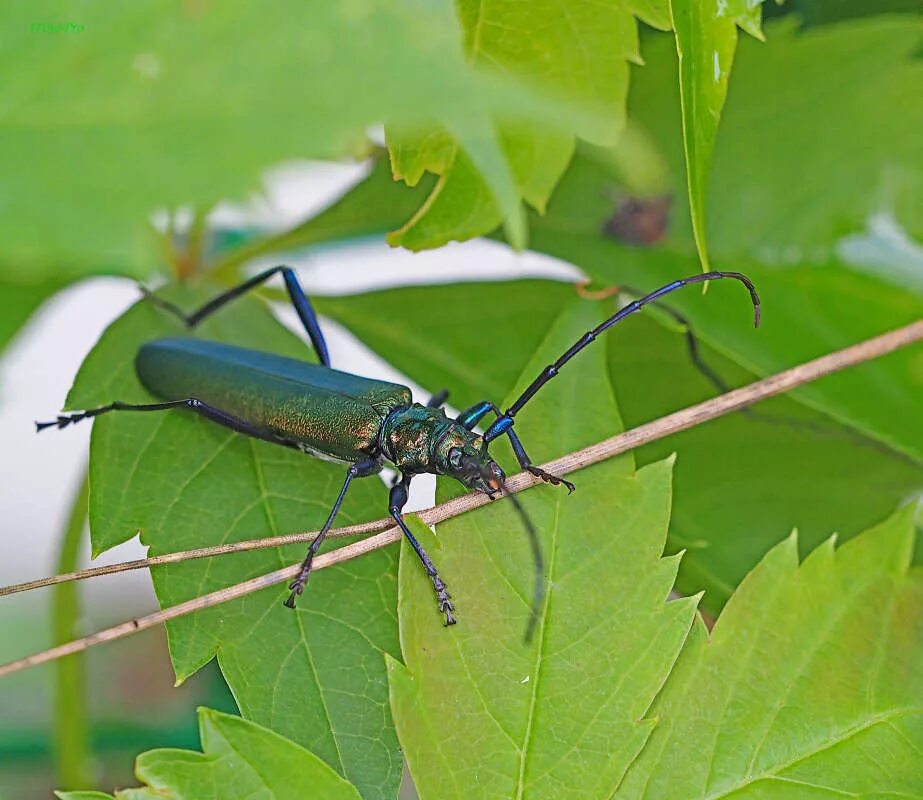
(417, 439)
(408, 436)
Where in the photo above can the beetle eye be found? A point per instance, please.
(455, 455)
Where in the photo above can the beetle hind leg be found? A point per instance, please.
(360, 469)
(64, 420)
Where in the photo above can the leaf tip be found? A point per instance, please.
(392, 663)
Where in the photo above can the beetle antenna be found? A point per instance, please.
(538, 591)
(503, 423)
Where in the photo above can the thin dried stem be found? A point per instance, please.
(649, 432)
(189, 555)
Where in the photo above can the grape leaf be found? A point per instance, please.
(104, 128)
(476, 192)
(655, 13)
(808, 685)
(315, 675)
(479, 712)
(706, 39)
(584, 62)
(239, 759)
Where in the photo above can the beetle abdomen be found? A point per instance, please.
(323, 411)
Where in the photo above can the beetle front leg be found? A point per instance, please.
(526, 463)
(472, 416)
(360, 469)
(396, 503)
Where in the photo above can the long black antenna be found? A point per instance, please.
(504, 422)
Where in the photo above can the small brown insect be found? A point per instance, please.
(640, 221)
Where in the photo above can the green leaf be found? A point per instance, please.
(655, 13)
(238, 759)
(818, 135)
(122, 131)
(780, 465)
(475, 193)
(584, 62)
(479, 712)
(807, 687)
(706, 38)
(315, 675)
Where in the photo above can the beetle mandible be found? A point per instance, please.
(343, 417)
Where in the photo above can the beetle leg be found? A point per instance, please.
(526, 463)
(360, 469)
(472, 416)
(396, 503)
(299, 300)
(211, 412)
(64, 420)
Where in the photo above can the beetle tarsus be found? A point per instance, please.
(62, 421)
(444, 598)
(297, 585)
(554, 480)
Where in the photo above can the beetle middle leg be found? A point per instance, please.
(360, 469)
(396, 503)
(472, 416)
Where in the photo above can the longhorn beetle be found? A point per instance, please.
(342, 417)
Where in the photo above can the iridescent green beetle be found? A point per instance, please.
(342, 417)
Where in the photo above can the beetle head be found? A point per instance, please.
(463, 456)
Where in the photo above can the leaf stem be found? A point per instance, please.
(629, 440)
(71, 730)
